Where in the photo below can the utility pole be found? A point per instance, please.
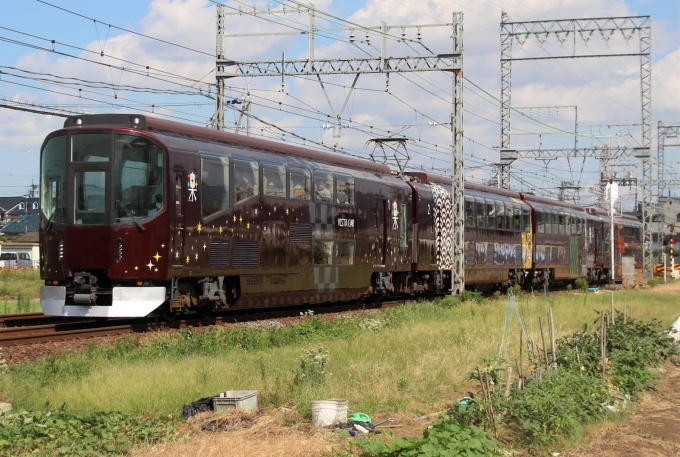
(584, 29)
(384, 64)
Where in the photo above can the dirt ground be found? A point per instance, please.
(652, 430)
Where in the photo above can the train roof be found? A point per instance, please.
(151, 124)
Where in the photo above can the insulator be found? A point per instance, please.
(351, 36)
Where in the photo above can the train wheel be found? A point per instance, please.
(170, 314)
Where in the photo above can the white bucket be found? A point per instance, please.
(325, 412)
(341, 416)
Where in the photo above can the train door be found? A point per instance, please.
(179, 213)
(379, 245)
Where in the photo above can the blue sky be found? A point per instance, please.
(606, 92)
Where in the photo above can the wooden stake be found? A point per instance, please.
(520, 383)
(487, 396)
(613, 312)
(603, 329)
(545, 351)
(624, 312)
(508, 384)
(552, 336)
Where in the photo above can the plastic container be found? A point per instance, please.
(329, 412)
(232, 399)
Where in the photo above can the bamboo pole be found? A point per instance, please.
(624, 312)
(545, 351)
(552, 336)
(508, 384)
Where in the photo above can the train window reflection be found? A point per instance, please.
(214, 184)
(561, 222)
(274, 183)
(139, 178)
(323, 186)
(323, 252)
(53, 177)
(344, 189)
(517, 217)
(344, 253)
(540, 222)
(90, 147)
(479, 209)
(500, 215)
(300, 184)
(526, 220)
(90, 197)
(469, 212)
(490, 214)
(247, 180)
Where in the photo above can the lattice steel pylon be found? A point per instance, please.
(381, 64)
(664, 177)
(585, 28)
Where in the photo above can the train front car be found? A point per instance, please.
(104, 226)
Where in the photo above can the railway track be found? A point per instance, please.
(57, 332)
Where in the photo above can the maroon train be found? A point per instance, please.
(142, 215)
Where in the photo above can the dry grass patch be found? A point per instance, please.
(239, 434)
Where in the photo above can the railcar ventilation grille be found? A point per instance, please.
(547, 255)
(278, 279)
(471, 254)
(219, 254)
(246, 254)
(555, 255)
(518, 255)
(300, 233)
(254, 280)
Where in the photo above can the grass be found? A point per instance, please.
(19, 290)
(414, 359)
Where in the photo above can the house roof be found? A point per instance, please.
(28, 237)
(24, 223)
(12, 205)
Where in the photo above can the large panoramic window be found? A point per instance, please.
(53, 179)
(214, 184)
(90, 147)
(139, 179)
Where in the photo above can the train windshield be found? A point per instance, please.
(139, 187)
(53, 179)
(122, 186)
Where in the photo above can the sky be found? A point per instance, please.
(101, 50)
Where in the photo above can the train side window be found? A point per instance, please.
(179, 180)
(323, 186)
(300, 187)
(548, 217)
(344, 189)
(567, 225)
(526, 220)
(479, 209)
(560, 223)
(214, 184)
(540, 222)
(500, 215)
(403, 226)
(517, 217)
(274, 180)
(469, 212)
(323, 252)
(490, 214)
(246, 180)
(554, 223)
(509, 212)
(344, 252)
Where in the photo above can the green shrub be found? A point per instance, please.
(560, 403)
(471, 295)
(582, 283)
(443, 437)
(58, 432)
(448, 302)
(653, 282)
(312, 367)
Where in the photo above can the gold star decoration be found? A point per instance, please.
(199, 227)
(220, 229)
(156, 256)
(187, 259)
(155, 269)
(248, 226)
(136, 268)
(125, 271)
(234, 217)
(286, 211)
(240, 219)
